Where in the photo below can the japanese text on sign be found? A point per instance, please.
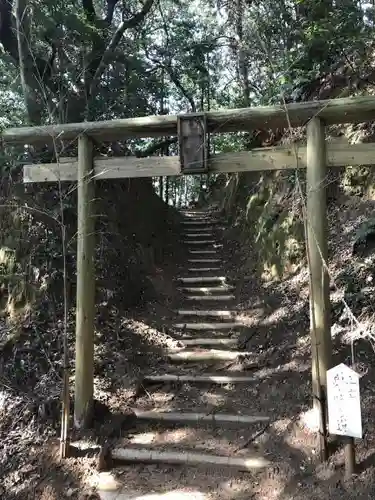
(344, 403)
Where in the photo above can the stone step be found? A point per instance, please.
(211, 298)
(207, 378)
(199, 211)
(170, 416)
(199, 242)
(202, 252)
(207, 326)
(207, 220)
(198, 235)
(201, 215)
(206, 289)
(199, 231)
(187, 457)
(213, 313)
(200, 223)
(206, 355)
(203, 261)
(202, 279)
(209, 341)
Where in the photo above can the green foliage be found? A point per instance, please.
(276, 229)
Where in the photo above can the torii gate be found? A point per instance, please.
(192, 130)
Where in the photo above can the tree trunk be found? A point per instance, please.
(167, 190)
(241, 54)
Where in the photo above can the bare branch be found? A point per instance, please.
(181, 88)
(122, 27)
(175, 80)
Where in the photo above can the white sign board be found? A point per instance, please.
(344, 402)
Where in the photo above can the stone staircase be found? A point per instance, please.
(208, 332)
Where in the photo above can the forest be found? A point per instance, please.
(95, 60)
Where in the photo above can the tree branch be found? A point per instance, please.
(174, 79)
(154, 147)
(122, 27)
(26, 63)
(181, 88)
(171, 72)
(34, 71)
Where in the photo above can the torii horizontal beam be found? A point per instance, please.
(279, 158)
(333, 111)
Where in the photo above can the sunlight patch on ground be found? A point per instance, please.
(85, 445)
(280, 425)
(272, 493)
(175, 436)
(214, 399)
(236, 486)
(170, 495)
(144, 438)
(293, 366)
(162, 397)
(109, 488)
(309, 420)
(172, 436)
(105, 482)
(303, 341)
(251, 317)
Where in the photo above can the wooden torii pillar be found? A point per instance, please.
(317, 252)
(85, 307)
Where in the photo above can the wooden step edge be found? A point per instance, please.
(209, 313)
(199, 210)
(201, 222)
(209, 341)
(170, 416)
(203, 234)
(212, 298)
(204, 261)
(201, 279)
(201, 215)
(187, 457)
(206, 326)
(208, 378)
(206, 289)
(199, 231)
(206, 286)
(199, 242)
(202, 252)
(208, 355)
